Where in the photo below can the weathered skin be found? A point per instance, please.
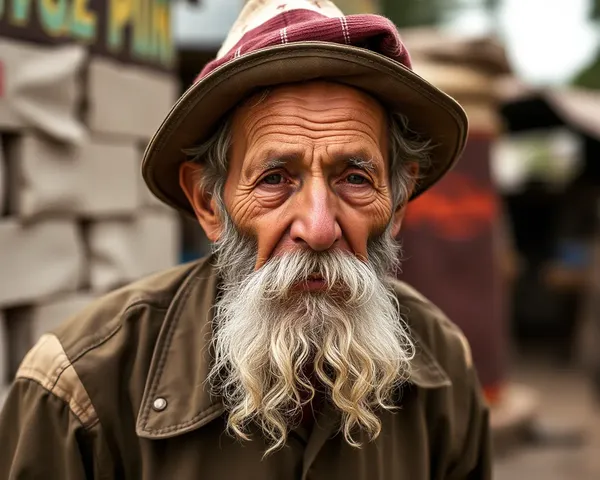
(290, 183)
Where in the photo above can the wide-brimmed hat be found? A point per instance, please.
(275, 42)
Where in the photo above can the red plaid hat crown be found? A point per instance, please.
(275, 42)
(266, 23)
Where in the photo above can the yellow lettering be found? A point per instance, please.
(118, 17)
(162, 33)
(53, 16)
(141, 37)
(20, 12)
(84, 21)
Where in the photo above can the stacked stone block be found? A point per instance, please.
(76, 220)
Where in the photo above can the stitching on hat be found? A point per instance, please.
(283, 35)
(345, 30)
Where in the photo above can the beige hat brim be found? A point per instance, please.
(195, 116)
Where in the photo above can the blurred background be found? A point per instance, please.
(508, 244)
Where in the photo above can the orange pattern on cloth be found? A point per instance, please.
(457, 209)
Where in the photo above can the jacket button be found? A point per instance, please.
(159, 404)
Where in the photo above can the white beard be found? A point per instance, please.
(271, 337)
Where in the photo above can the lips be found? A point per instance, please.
(314, 276)
(313, 283)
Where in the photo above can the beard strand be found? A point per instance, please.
(274, 344)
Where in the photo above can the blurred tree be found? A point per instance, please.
(589, 77)
(416, 13)
(595, 13)
(351, 7)
(490, 4)
(424, 13)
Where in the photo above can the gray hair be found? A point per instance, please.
(406, 149)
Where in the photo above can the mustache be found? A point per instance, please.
(235, 255)
(342, 272)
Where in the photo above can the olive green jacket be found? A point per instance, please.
(119, 392)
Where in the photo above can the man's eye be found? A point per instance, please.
(273, 179)
(356, 179)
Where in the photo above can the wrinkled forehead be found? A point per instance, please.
(326, 107)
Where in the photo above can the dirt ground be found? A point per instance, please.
(568, 447)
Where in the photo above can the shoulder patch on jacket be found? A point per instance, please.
(48, 364)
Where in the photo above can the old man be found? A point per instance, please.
(288, 353)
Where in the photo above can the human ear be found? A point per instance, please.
(400, 211)
(397, 219)
(202, 201)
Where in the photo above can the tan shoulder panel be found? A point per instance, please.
(48, 364)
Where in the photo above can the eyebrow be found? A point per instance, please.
(362, 163)
(273, 162)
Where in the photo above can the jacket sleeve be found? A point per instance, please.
(475, 461)
(40, 437)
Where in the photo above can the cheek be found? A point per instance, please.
(271, 233)
(247, 203)
(357, 196)
(263, 217)
(360, 224)
(268, 198)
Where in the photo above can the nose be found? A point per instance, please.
(315, 224)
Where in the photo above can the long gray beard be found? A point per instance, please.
(270, 337)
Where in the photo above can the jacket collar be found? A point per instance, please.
(176, 398)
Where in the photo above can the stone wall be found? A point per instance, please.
(76, 220)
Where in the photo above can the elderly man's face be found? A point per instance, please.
(302, 245)
(309, 169)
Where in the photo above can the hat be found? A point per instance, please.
(275, 42)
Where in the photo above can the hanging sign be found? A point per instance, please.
(133, 31)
